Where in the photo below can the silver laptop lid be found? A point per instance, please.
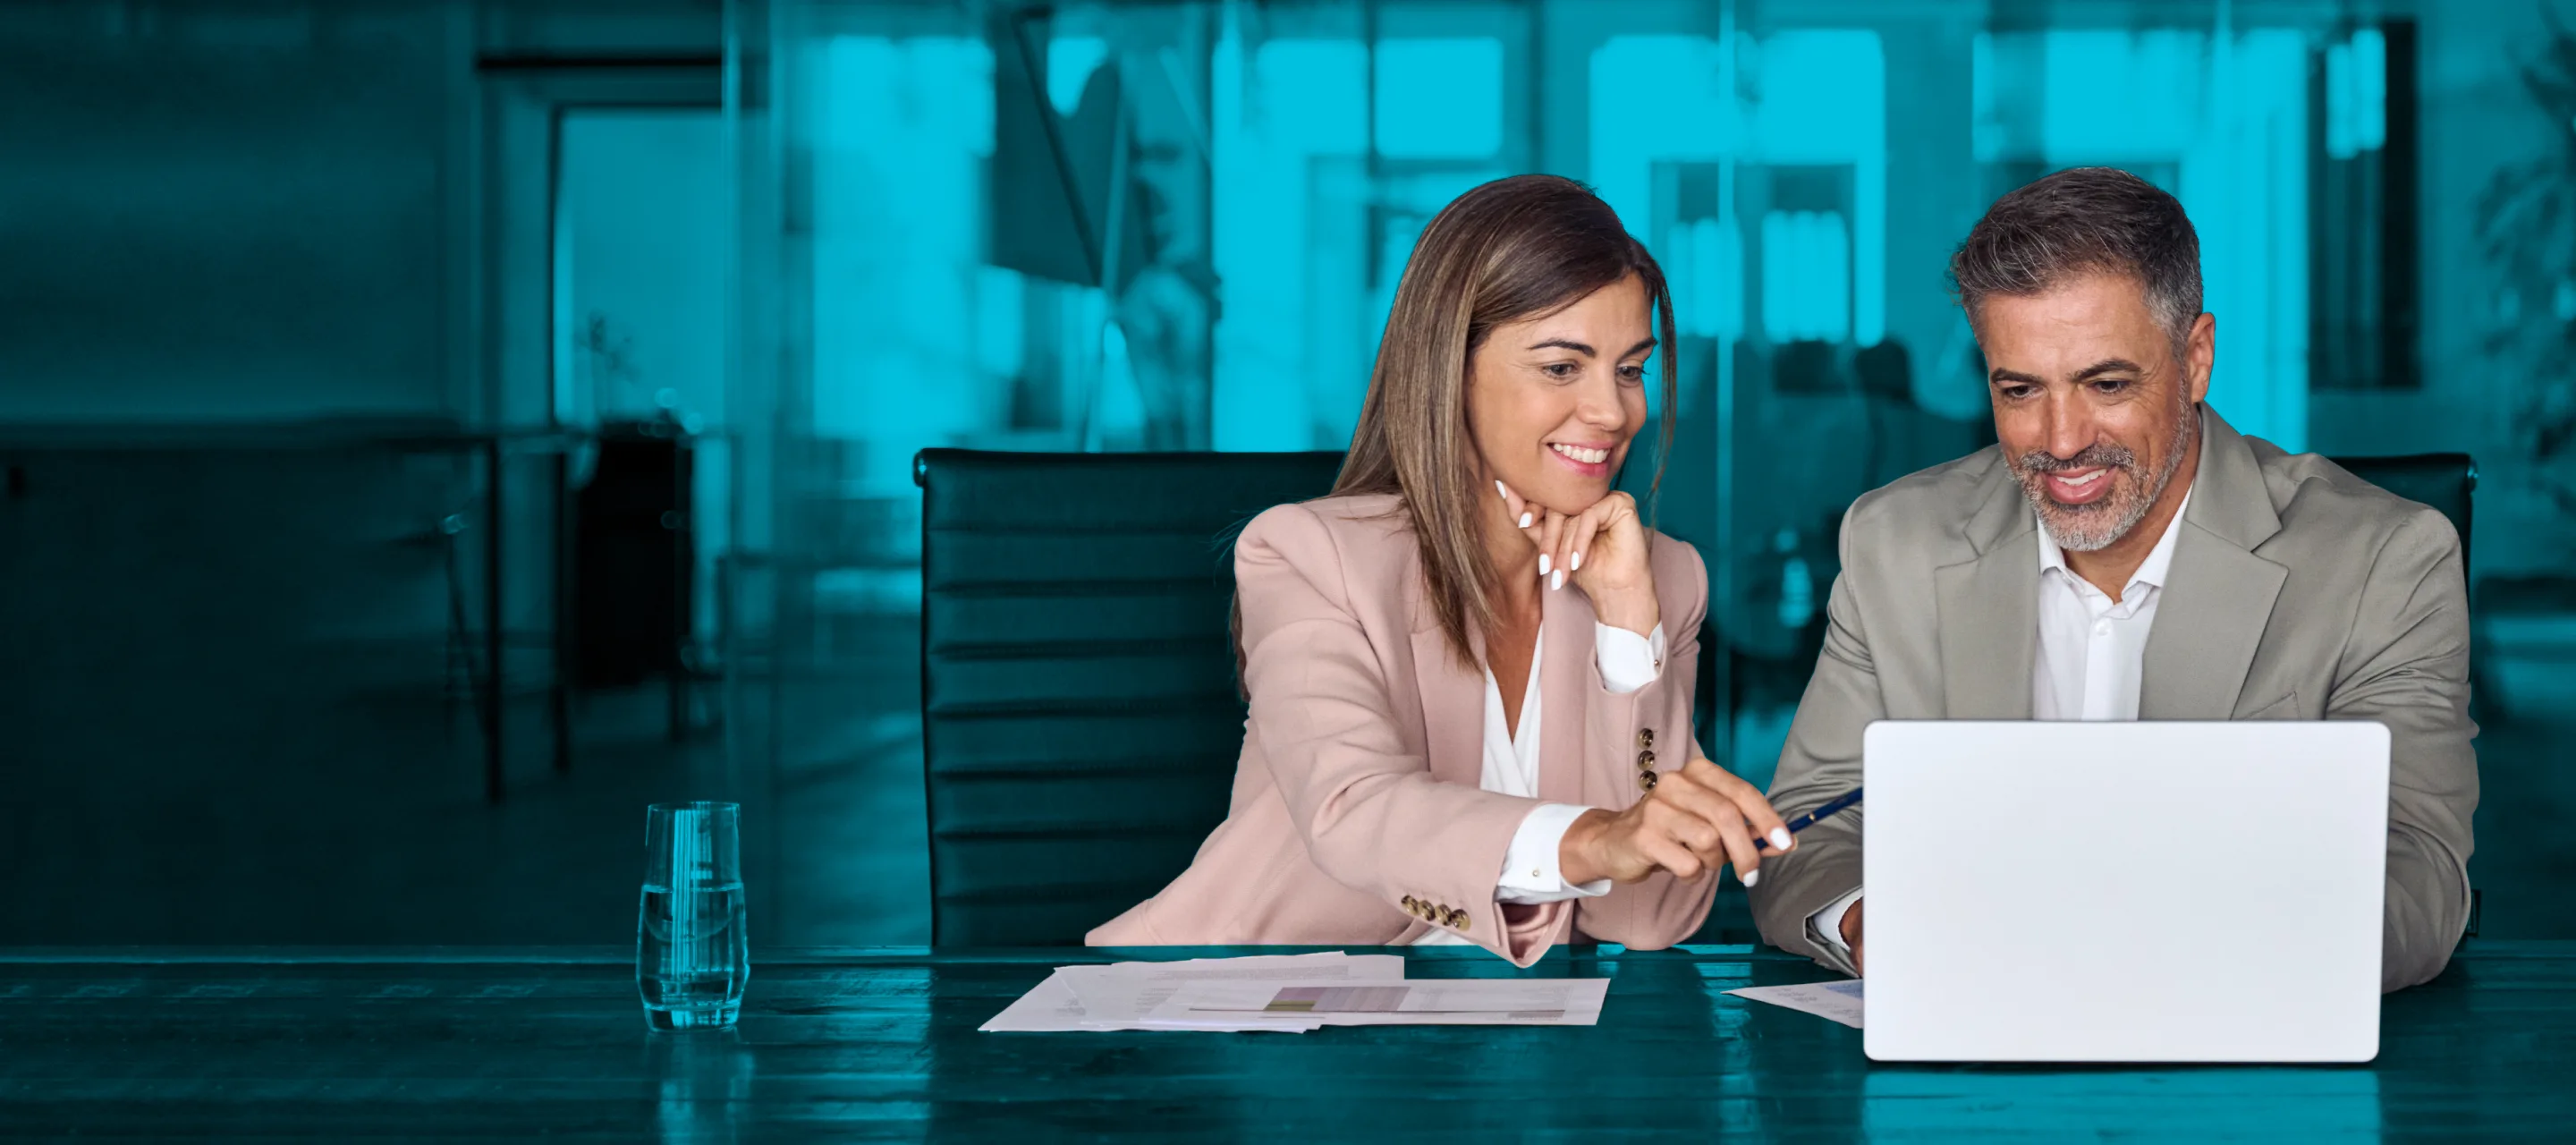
(2060, 891)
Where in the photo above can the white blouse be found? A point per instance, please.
(1530, 872)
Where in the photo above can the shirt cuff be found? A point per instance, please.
(1628, 661)
(1826, 926)
(1530, 872)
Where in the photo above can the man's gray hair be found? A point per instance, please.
(2084, 220)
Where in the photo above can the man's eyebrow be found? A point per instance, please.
(1561, 343)
(2088, 373)
(2108, 366)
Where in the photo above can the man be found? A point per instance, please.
(2122, 553)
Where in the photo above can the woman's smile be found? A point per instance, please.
(1587, 461)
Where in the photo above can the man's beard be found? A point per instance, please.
(2100, 524)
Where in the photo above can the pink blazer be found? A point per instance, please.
(1356, 817)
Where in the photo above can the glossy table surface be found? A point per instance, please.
(881, 1044)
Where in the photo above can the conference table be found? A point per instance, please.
(455, 1043)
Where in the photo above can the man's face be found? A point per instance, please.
(2094, 407)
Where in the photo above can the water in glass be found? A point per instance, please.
(692, 957)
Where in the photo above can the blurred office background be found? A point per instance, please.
(434, 429)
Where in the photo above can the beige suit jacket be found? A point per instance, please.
(2297, 592)
(1357, 817)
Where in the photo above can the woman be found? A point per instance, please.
(1446, 744)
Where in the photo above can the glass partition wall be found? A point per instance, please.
(1178, 226)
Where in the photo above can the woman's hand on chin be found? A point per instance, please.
(1601, 549)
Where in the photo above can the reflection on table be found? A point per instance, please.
(882, 1043)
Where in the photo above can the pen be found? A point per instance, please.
(1802, 822)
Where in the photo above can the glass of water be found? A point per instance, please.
(691, 957)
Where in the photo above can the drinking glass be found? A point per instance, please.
(691, 958)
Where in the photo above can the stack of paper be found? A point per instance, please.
(1292, 993)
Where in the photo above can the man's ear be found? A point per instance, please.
(2200, 351)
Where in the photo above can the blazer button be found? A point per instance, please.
(1462, 922)
(1645, 737)
(1645, 781)
(1646, 760)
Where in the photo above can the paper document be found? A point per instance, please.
(1120, 995)
(1840, 1001)
(1127, 991)
(1466, 1001)
(1291, 993)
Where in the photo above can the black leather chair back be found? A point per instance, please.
(2442, 481)
(1079, 706)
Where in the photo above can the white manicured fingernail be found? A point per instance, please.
(1501, 492)
(1560, 579)
(1780, 838)
(1525, 520)
(1578, 560)
(1542, 564)
(1752, 876)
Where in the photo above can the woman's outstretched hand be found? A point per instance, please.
(1694, 819)
(1601, 549)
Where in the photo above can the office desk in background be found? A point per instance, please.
(852, 1045)
(54, 462)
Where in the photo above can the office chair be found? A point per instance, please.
(1080, 719)
(2441, 481)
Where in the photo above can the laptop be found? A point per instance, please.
(2124, 892)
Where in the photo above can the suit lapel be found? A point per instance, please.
(1989, 609)
(2218, 595)
(1990, 631)
(1453, 698)
(1564, 683)
(2209, 621)
(1453, 706)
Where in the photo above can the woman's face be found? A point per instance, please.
(1554, 401)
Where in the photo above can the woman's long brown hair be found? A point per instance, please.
(1509, 250)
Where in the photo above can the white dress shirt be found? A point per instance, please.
(1530, 872)
(2092, 656)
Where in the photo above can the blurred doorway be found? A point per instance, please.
(639, 269)
(603, 328)
(604, 265)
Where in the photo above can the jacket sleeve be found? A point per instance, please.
(1650, 729)
(1372, 815)
(2408, 668)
